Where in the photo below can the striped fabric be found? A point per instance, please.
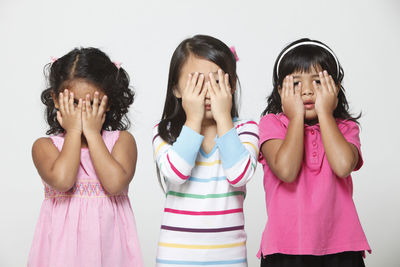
(203, 222)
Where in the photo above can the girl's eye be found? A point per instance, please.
(296, 83)
(317, 81)
(217, 81)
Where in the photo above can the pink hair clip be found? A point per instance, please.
(233, 50)
(53, 59)
(117, 64)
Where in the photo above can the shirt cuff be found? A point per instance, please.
(231, 148)
(187, 144)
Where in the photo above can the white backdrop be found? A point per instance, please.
(143, 35)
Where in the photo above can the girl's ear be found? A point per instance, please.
(55, 100)
(176, 92)
(279, 90)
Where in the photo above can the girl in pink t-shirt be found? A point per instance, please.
(309, 145)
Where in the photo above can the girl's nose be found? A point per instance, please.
(307, 90)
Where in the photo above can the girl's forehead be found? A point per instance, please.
(197, 64)
(81, 86)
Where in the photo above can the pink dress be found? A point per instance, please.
(85, 226)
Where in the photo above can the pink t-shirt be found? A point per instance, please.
(314, 215)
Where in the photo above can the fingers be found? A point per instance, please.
(103, 105)
(65, 100)
(199, 84)
(210, 89)
(324, 82)
(317, 89)
(297, 89)
(95, 105)
(213, 83)
(88, 107)
(227, 84)
(61, 103)
(221, 80)
(193, 82)
(59, 117)
(71, 102)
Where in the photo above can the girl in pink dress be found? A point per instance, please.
(309, 145)
(86, 166)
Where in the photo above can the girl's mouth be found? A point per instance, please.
(207, 106)
(309, 105)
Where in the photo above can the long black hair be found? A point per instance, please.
(205, 47)
(93, 66)
(301, 59)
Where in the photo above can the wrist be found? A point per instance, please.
(325, 115)
(76, 132)
(194, 124)
(92, 134)
(223, 118)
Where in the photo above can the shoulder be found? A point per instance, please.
(274, 119)
(245, 125)
(347, 126)
(43, 147)
(43, 143)
(126, 138)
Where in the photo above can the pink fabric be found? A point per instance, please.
(85, 226)
(315, 214)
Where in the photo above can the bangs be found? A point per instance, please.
(305, 59)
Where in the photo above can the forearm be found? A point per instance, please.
(177, 161)
(111, 174)
(287, 162)
(65, 167)
(340, 154)
(224, 124)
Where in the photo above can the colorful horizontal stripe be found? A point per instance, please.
(242, 124)
(207, 180)
(203, 163)
(174, 245)
(159, 147)
(241, 175)
(252, 145)
(179, 194)
(177, 172)
(202, 230)
(197, 263)
(249, 133)
(217, 212)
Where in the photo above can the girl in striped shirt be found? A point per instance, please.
(205, 156)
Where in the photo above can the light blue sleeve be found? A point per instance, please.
(231, 148)
(187, 145)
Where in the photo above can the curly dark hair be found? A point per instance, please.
(95, 67)
(302, 59)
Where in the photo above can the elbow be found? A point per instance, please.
(287, 176)
(344, 169)
(63, 185)
(343, 172)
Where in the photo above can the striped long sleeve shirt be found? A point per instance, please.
(203, 221)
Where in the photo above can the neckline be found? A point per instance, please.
(207, 155)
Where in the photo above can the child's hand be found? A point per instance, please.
(69, 116)
(93, 116)
(292, 103)
(193, 97)
(326, 94)
(221, 96)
